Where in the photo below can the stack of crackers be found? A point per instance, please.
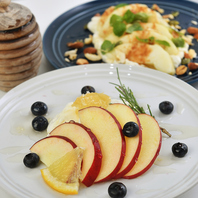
(20, 46)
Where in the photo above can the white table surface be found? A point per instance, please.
(45, 12)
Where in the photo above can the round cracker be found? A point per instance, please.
(20, 68)
(18, 32)
(23, 59)
(20, 42)
(6, 54)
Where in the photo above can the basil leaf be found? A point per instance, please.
(120, 5)
(141, 16)
(142, 40)
(134, 27)
(119, 28)
(149, 40)
(129, 17)
(179, 42)
(115, 19)
(107, 46)
(161, 42)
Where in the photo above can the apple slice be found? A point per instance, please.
(52, 148)
(83, 137)
(125, 114)
(151, 145)
(109, 134)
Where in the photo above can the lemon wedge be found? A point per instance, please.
(63, 175)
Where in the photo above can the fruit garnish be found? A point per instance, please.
(63, 175)
(117, 190)
(179, 149)
(130, 129)
(39, 108)
(87, 88)
(92, 99)
(31, 160)
(128, 98)
(51, 148)
(166, 107)
(39, 123)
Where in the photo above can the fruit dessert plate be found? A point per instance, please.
(60, 87)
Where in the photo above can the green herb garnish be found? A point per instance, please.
(141, 16)
(127, 96)
(134, 27)
(119, 22)
(119, 28)
(161, 42)
(129, 17)
(108, 46)
(175, 13)
(151, 40)
(179, 42)
(115, 19)
(120, 5)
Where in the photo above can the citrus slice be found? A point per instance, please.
(92, 99)
(63, 175)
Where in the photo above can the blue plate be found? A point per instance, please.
(70, 26)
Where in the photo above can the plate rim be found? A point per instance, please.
(95, 67)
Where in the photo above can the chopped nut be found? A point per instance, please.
(82, 61)
(186, 55)
(194, 22)
(192, 53)
(192, 30)
(196, 36)
(188, 39)
(90, 50)
(77, 44)
(157, 8)
(97, 14)
(193, 66)
(183, 31)
(72, 56)
(93, 57)
(182, 69)
(178, 27)
(88, 41)
(168, 16)
(67, 60)
(67, 53)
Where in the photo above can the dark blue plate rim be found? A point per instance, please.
(54, 36)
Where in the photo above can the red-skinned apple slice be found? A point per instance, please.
(83, 137)
(151, 144)
(52, 148)
(125, 114)
(109, 134)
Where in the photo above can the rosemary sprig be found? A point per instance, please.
(128, 98)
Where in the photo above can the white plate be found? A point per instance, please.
(168, 179)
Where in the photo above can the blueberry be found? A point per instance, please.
(86, 89)
(39, 123)
(39, 108)
(31, 160)
(117, 190)
(166, 107)
(130, 129)
(179, 149)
